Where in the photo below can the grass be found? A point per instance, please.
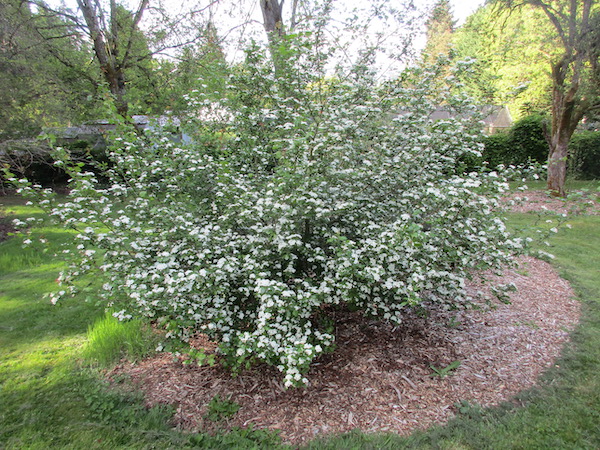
(570, 185)
(52, 397)
(108, 341)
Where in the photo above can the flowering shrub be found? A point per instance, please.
(523, 172)
(312, 193)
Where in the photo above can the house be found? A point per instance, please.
(92, 134)
(495, 118)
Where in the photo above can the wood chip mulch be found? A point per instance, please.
(382, 378)
(542, 201)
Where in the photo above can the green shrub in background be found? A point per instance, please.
(584, 150)
(523, 143)
(497, 149)
(527, 140)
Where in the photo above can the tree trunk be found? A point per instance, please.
(557, 164)
(105, 50)
(567, 111)
(272, 18)
(116, 83)
(106, 44)
(273, 23)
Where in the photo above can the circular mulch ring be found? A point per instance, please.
(543, 201)
(383, 378)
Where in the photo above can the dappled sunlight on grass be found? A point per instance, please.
(34, 359)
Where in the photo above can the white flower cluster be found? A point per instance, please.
(317, 194)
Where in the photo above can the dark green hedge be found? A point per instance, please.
(584, 159)
(523, 143)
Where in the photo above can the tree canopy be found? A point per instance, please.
(575, 73)
(46, 77)
(440, 27)
(512, 49)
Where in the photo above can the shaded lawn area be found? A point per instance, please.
(50, 399)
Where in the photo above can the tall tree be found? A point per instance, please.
(272, 17)
(113, 41)
(123, 53)
(512, 50)
(272, 12)
(440, 27)
(575, 75)
(36, 88)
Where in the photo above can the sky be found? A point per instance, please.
(461, 8)
(464, 8)
(229, 17)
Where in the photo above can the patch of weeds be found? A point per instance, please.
(200, 357)
(471, 410)
(453, 323)
(219, 409)
(442, 372)
(502, 291)
(239, 438)
(421, 311)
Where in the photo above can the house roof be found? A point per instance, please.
(495, 116)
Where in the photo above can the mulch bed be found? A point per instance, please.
(543, 202)
(380, 377)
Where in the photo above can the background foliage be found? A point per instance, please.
(310, 198)
(525, 142)
(584, 160)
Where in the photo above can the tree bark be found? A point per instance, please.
(273, 23)
(106, 48)
(567, 111)
(105, 54)
(557, 164)
(568, 105)
(272, 18)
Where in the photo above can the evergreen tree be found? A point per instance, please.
(200, 67)
(511, 50)
(440, 28)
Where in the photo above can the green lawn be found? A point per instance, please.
(570, 185)
(50, 397)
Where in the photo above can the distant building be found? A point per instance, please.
(93, 133)
(496, 118)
